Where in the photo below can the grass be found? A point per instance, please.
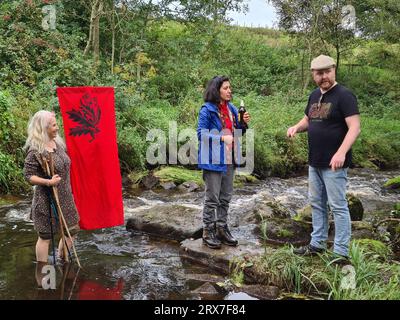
(372, 274)
(372, 278)
(136, 177)
(236, 267)
(283, 233)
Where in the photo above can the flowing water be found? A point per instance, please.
(118, 264)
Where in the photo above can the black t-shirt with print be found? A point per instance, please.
(327, 126)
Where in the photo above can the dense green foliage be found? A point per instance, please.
(159, 71)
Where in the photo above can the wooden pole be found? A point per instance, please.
(61, 217)
(65, 224)
(49, 173)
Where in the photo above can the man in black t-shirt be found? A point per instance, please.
(333, 124)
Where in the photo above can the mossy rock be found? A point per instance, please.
(245, 178)
(284, 233)
(179, 175)
(361, 225)
(374, 247)
(4, 202)
(362, 230)
(136, 177)
(393, 183)
(8, 200)
(265, 210)
(355, 207)
(281, 231)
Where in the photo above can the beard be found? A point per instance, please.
(325, 84)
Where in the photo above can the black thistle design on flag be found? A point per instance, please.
(87, 116)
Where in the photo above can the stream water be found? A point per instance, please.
(118, 264)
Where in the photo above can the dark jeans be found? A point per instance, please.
(219, 189)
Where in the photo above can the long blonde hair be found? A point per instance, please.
(37, 132)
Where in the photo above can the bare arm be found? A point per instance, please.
(35, 180)
(353, 123)
(301, 126)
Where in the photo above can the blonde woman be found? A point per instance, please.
(43, 141)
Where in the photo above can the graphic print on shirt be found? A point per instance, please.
(320, 111)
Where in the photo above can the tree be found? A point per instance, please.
(318, 27)
(378, 19)
(127, 22)
(94, 28)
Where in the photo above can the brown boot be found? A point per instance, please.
(210, 239)
(225, 236)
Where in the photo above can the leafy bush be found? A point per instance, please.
(11, 179)
(131, 149)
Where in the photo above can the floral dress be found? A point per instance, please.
(40, 210)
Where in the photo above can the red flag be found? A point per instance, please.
(91, 139)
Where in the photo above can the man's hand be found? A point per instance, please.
(291, 132)
(337, 161)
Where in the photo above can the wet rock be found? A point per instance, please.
(15, 209)
(168, 185)
(176, 222)
(133, 202)
(207, 291)
(125, 180)
(189, 186)
(150, 181)
(389, 230)
(218, 260)
(355, 207)
(204, 277)
(362, 230)
(266, 207)
(261, 292)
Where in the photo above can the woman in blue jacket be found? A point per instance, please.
(218, 121)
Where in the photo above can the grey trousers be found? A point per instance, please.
(219, 189)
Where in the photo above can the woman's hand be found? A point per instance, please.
(55, 180)
(246, 117)
(227, 139)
